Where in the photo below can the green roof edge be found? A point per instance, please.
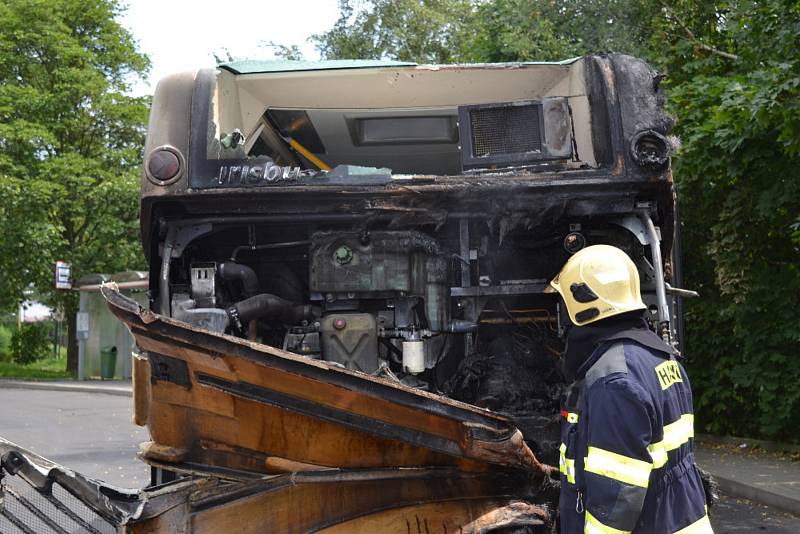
(254, 66)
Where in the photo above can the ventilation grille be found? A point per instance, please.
(505, 130)
(24, 510)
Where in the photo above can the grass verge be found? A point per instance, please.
(44, 369)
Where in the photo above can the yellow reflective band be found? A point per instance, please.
(593, 526)
(668, 373)
(675, 435)
(570, 471)
(566, 465)
(701, 526)
(618, 467)
(679, 432)
(659, 454)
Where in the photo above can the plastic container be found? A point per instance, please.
(108, 362)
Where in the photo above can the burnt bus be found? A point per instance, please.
(347, 327)
(403, 220)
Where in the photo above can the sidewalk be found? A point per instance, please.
(109, 387)
(765, 477)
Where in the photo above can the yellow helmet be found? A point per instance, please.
(598, 282)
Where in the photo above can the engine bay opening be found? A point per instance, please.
(456, 308)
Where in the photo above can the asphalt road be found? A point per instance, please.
(93, 434)
(738, 516)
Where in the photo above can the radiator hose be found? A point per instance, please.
(267, 306)
(231, 272)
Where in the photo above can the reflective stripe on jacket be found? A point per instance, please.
(627, 451)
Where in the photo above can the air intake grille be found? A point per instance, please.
(505, 130)
(23, 510)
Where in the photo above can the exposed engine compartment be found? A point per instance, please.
(454, 308)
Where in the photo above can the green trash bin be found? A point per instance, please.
(108, 362)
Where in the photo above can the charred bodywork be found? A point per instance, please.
(347, 266)
(40, 496)
(455, 193)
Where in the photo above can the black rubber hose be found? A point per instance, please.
(266, 306)
(231, 272)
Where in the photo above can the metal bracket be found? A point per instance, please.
(178, 237)
(185, 234)
(680, 292)
(634, 225)
(658, 267)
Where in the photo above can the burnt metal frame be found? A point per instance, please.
(111, 503)
(201, 166)
(601, 82)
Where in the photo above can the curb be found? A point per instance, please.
(753, 493)
(769, 446)
(68, 388)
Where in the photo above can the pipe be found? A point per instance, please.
(661, 293)
(306, 153)
(267, 306)
(297, 218)
(233, 272)
(134, 284)
(268, 246)
(680, 292)
(517, 320)
(461, 326)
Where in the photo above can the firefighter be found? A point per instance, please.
(627, 452)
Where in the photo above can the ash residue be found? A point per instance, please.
(517, 375)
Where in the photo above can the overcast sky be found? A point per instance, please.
(182, 34)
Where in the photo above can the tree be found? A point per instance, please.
(423, 31)
(734, 81)
(449, 31)
(70, 146)
(287, 52)
(514, 30)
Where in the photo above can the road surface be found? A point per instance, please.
(91, 433)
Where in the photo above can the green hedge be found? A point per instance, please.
(30, 343)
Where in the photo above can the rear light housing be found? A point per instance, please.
(164, 165)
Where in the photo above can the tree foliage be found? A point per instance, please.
(425, 31)
(734, 83)
(738, 183)
(450, 31)
(70, 145)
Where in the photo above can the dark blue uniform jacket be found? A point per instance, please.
(627, 452)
